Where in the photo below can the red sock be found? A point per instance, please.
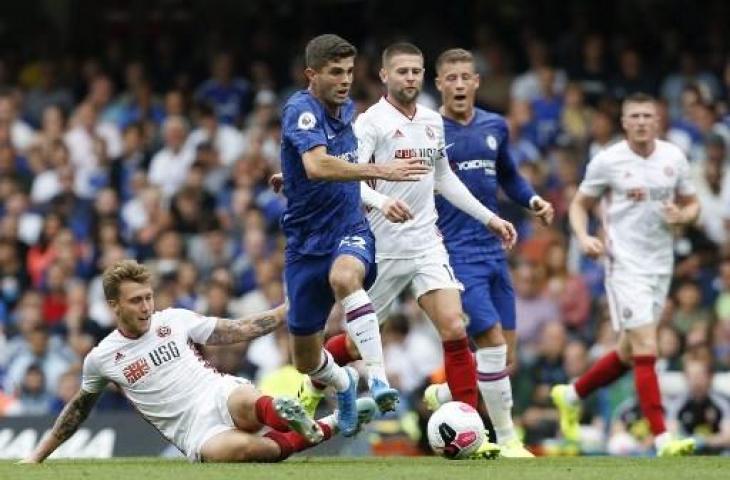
(647, 387)
(292, 442)
(337, 346)
(607, 369)
(266, 414)
(461, 371)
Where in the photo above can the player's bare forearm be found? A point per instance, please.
(578, 214)
(247, 328)
(71, 417)
(321, 166)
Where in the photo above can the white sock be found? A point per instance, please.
(496, 389)
(331, 374)
(364, 331)
(661, 439)
(571, 395)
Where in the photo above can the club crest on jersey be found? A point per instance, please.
(306, 121)
(398, 134)
(163, 331)
(429, 133)
(491, 142)
(118, 356)
(668, 171)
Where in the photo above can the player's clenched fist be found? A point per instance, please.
(276, 182)
(542, 209)
(406, 170)
(504, 230)
(396, 211)
(591, 246)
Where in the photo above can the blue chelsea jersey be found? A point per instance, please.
(318, 213)
(479, 155)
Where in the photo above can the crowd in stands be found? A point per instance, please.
(112, 158)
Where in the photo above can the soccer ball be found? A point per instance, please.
(455, 430)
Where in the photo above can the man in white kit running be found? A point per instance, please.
(153, 357)
(409, 248)
(645, 191)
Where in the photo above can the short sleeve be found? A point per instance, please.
(367, 138)
(92, 380)
(596, 180)
(685, 186)
(198, 327)
(302, 128)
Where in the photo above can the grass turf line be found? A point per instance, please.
(383, 468)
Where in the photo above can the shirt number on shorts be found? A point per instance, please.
(354, 241)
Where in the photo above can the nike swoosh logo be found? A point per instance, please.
(448, 146)
(330, 137)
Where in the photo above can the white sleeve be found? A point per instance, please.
(367, 138)
(92, 380)
(449, 185)
(596, 180)
(371, 197)
(198, 327)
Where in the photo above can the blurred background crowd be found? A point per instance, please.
(149, 130)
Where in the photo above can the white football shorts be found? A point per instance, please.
(425, 273)
(210, 416)
(635, 300)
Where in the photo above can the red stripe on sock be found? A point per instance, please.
(647, 387)
(606, 370)
(461, 373)
(266, 414)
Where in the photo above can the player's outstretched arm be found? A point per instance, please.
(72, 416)
(247, 328)
(319, 165)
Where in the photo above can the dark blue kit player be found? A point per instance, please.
(330, 250)
(478, 148)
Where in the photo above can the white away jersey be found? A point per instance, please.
(384, 133)
(634, 190)
(161, 372)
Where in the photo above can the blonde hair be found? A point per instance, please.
(453, 55)
(123, 271)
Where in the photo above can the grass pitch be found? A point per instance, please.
(389, 468)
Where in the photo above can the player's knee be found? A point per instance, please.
(451, 326)
(345, 281)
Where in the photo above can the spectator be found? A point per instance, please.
(225, 139)
(702, 412)
(170, 165)
(534, 309)
(32, 394)
(229, 95)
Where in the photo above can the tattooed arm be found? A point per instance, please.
(247, 328)
(72, 416)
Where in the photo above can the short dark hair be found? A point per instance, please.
(638, 97)
(327, 48)
(400, 48)
(454, 55)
